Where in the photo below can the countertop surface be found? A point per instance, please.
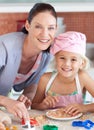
(59, 7)
(61, 124)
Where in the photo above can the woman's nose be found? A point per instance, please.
(45, 32)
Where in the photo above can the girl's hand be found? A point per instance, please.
(25, 100)
(75, 109)
(17, 108)
(50, 101)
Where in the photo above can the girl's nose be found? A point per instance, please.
(67, 63)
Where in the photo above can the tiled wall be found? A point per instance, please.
(11, 22)
(75, 21)
(80, 21)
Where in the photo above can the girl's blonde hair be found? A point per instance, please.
(86, 64)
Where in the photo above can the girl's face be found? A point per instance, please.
(67, 63)
(41, 30)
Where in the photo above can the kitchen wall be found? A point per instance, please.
(33, 1)
(77, 21)
(76, 15)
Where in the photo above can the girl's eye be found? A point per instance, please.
(51, 28)
(62, 58)
(74, 59)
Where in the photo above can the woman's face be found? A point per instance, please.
(41, 30)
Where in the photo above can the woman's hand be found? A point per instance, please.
(25, 100)
(2, 126)
(17, 108)
(74, 109)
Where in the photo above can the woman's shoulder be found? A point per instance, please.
(11, 34)
(3, 55)
(10, 37)
(12, 40)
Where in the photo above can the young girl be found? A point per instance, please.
(66, 87)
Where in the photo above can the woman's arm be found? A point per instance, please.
(15, 107)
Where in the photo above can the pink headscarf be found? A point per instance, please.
(70, 41)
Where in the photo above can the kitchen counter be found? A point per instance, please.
(62, 125)
(59, 7)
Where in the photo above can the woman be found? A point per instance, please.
(24, 57)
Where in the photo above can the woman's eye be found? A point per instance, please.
(37, 26)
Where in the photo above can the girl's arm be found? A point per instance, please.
(40, 101)
(40, 92)
(74, 109)
(87, 82)
(30, 91)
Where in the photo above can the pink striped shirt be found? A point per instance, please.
(21, 77)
